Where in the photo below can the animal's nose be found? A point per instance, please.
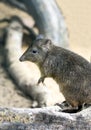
(22, 58)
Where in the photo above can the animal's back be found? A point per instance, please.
(73, 74)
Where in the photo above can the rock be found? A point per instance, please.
(48, 118)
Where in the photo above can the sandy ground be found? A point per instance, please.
(78, 20)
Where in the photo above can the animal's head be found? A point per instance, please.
(38, 50)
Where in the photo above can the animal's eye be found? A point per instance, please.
(34, 51)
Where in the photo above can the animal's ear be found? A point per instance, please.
(47, 45)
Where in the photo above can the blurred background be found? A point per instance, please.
(78, 19)
(69, 23)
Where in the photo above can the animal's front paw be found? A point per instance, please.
(41, 79)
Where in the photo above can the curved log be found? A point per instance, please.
(21, 74)
(49, 18)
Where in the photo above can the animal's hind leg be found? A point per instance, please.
(73, 109)
(67, 108)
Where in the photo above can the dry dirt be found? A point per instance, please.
(78, 20)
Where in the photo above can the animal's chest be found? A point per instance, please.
(47, 68)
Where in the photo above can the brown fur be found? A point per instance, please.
(71, 71)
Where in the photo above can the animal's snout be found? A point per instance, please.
(22, 58)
